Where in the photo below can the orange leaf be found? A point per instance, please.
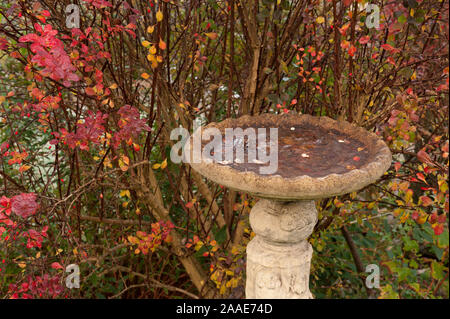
(24, 168)
(189, 205)
(124, 162)
(211, 35)
(162, 45)
(90, 91)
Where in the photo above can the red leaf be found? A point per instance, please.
(438, 229)
(189, 205)
(24, 205)
(441, 218)
(424, 157)
(426, 201)
(421, 177)
(57, 265)
(347, 2)
(364, 39)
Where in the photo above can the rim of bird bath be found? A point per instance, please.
(352, 141)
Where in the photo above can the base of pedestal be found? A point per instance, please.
(278, 271)
(279, 256)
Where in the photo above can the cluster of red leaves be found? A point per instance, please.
(130, 124)
(24, 206)
(145, 242)
(46, 103)
(35, 238)
(437, 221)
(16, 157)
(100, 4)
(50, 54)
(89, 130)
(3, 44)
(38, 287)
(92, 128)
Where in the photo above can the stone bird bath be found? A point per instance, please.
(317, 158)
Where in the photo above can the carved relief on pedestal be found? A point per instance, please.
(278, 271)
(279, 257)
(283, 221)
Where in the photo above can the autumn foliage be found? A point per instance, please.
(85, 121)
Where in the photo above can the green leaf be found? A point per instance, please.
(437, 251)
(221, 235)
(410, 245)
(437, 270)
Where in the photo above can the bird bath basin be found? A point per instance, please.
(310, 158)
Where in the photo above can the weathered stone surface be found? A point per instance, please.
(279, 256)
(300, 186)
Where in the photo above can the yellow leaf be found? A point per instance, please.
(145, 75)
(113, 86)
(2, 99)
(152, 50)
(159, 16)
(223, 289)
(156, 166)
(164, 164)
(22, 265)
(133, 240)
(38, 255)
(198, 245)
(284, 66)
(150, 29)
(145, 43)
(320, 20)
(124, 193)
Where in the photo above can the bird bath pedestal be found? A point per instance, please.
(317, 157)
